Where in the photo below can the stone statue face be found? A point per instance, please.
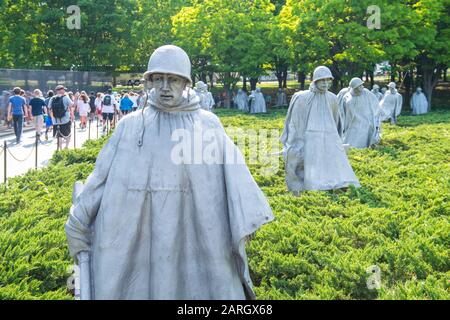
(168, 88)
(323, 84)
(419, 90)
(392, 90)
(359, 90)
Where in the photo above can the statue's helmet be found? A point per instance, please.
(200, 85)
(419, 89)
(169, 59)
(356, 82)
(322, 72)
(392, 85)
(376, 87)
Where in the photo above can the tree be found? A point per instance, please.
(152, 26)
(19, 34)
(36, 35)
(336, 33)
(432, 42)
(232, 33)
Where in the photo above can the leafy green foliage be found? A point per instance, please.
(231, 32)
(320, 244)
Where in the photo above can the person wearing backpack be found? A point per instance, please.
(62, 114)
(109, 107)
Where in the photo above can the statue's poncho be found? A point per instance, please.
(281, 99)
(340, 96)
(314, 153)
(391, 105)
(419, 103)
(362, 120)
(163, 230)
(241, 100)
(258, 103)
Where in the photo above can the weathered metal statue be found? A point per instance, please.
(314, 152)
(161, 216)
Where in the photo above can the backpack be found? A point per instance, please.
(58, 108)
(107, 101)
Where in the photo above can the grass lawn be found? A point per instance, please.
(320, 245)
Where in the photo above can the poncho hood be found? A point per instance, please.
(190, 102)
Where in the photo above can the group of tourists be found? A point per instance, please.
(57, 110)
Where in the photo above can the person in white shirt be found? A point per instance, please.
(109, 108)
(98, 106)
(83, 108)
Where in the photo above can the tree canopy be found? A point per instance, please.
(232, 38)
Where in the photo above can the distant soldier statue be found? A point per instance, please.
(281, 98)
(362, 120)
(419, 102)
(241, 100)
(391, 104)
(376, 92)
(258, 102)
(314, 152)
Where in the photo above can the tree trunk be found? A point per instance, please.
(335, 86)
(393, 71)
(428, 86)
(302, 79)
(367, 75)
(279, 75)
(253, 82)
(337, 76)
(408, 87)
(226, 87)
(430, 80)
(285, 74)
(211, 79)
(244, 83)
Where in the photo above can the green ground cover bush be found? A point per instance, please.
(321, 243)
